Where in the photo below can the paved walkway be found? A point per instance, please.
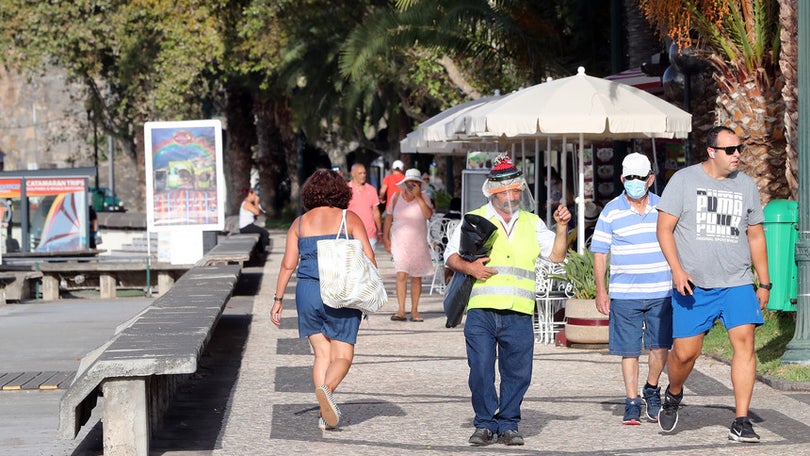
(407, 394)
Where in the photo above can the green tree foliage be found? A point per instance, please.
(359, 70)
(139, 59)
(486, 45)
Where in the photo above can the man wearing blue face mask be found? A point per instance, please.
(639, 300)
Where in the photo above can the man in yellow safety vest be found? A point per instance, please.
(502, 302)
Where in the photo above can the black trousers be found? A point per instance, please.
(264, 236)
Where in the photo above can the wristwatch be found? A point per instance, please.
(766, 286)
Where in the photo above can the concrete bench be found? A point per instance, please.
(138, 371)
(107, 276)
(233, 249)
(17, 285)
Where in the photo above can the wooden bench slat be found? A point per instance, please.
(8, 377)
(37, 380)
(18, 382)
(60, 379)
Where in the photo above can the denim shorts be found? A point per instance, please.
(634, 322)
(315, 317)
(696, 314)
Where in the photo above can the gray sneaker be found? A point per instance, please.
(483, 436)
(668, 415)
(511, 437)
(652, 401)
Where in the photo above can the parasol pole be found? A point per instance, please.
(655, 164)
(548, 180)
(581, 197)
(537, 175)
(564, 172)
(523, 156)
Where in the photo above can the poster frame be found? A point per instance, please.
(156, 133)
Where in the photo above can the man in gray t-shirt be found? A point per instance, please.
(710, 231)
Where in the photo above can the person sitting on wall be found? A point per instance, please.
(248, 212)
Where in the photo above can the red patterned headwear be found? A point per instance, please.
(503, 176)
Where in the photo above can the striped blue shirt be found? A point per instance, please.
(638, 269)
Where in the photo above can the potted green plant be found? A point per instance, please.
(579, 273)
(583, 323)
(442, 200)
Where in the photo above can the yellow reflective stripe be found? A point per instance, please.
(516, 292)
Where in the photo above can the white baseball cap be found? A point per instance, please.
(397, 165)
(635, 164)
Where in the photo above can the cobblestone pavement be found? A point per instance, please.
(407, 394)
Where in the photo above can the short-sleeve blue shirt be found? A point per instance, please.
(638, 269)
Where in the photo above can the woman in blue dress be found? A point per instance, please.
(331, 332)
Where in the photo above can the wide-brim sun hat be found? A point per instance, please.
(411, 175)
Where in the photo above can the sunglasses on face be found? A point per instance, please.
(636, 177)
(729, 150)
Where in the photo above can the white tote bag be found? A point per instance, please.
(348, 278)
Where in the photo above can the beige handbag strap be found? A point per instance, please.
(343, 227)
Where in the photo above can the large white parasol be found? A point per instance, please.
(581, 106)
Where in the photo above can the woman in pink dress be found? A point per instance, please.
(405, 236)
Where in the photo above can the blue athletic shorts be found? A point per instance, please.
(637, 321)
(696, 314)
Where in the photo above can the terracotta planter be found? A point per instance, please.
(584, 324)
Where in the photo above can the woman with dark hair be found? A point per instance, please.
(248, 211)
(331, 332)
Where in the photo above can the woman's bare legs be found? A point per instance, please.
(416, 293)
(332, 362)
(402, 285)
(333, 359)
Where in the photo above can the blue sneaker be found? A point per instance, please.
(652, 401)
(632, 411)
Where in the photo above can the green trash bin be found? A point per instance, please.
(781, 233)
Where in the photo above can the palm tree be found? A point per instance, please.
(640, 36)
(484, 45)
(740, 40)
(789, 64)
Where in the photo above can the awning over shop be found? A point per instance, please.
(636, 78)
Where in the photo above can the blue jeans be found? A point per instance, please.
(509, 336)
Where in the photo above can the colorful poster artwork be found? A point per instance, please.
(480, 160)
(184, 168)
(58, 213)
(10, 188)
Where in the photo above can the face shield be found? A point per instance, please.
(509, 195)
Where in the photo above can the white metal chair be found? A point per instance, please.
(550, 297)
(439, 231)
